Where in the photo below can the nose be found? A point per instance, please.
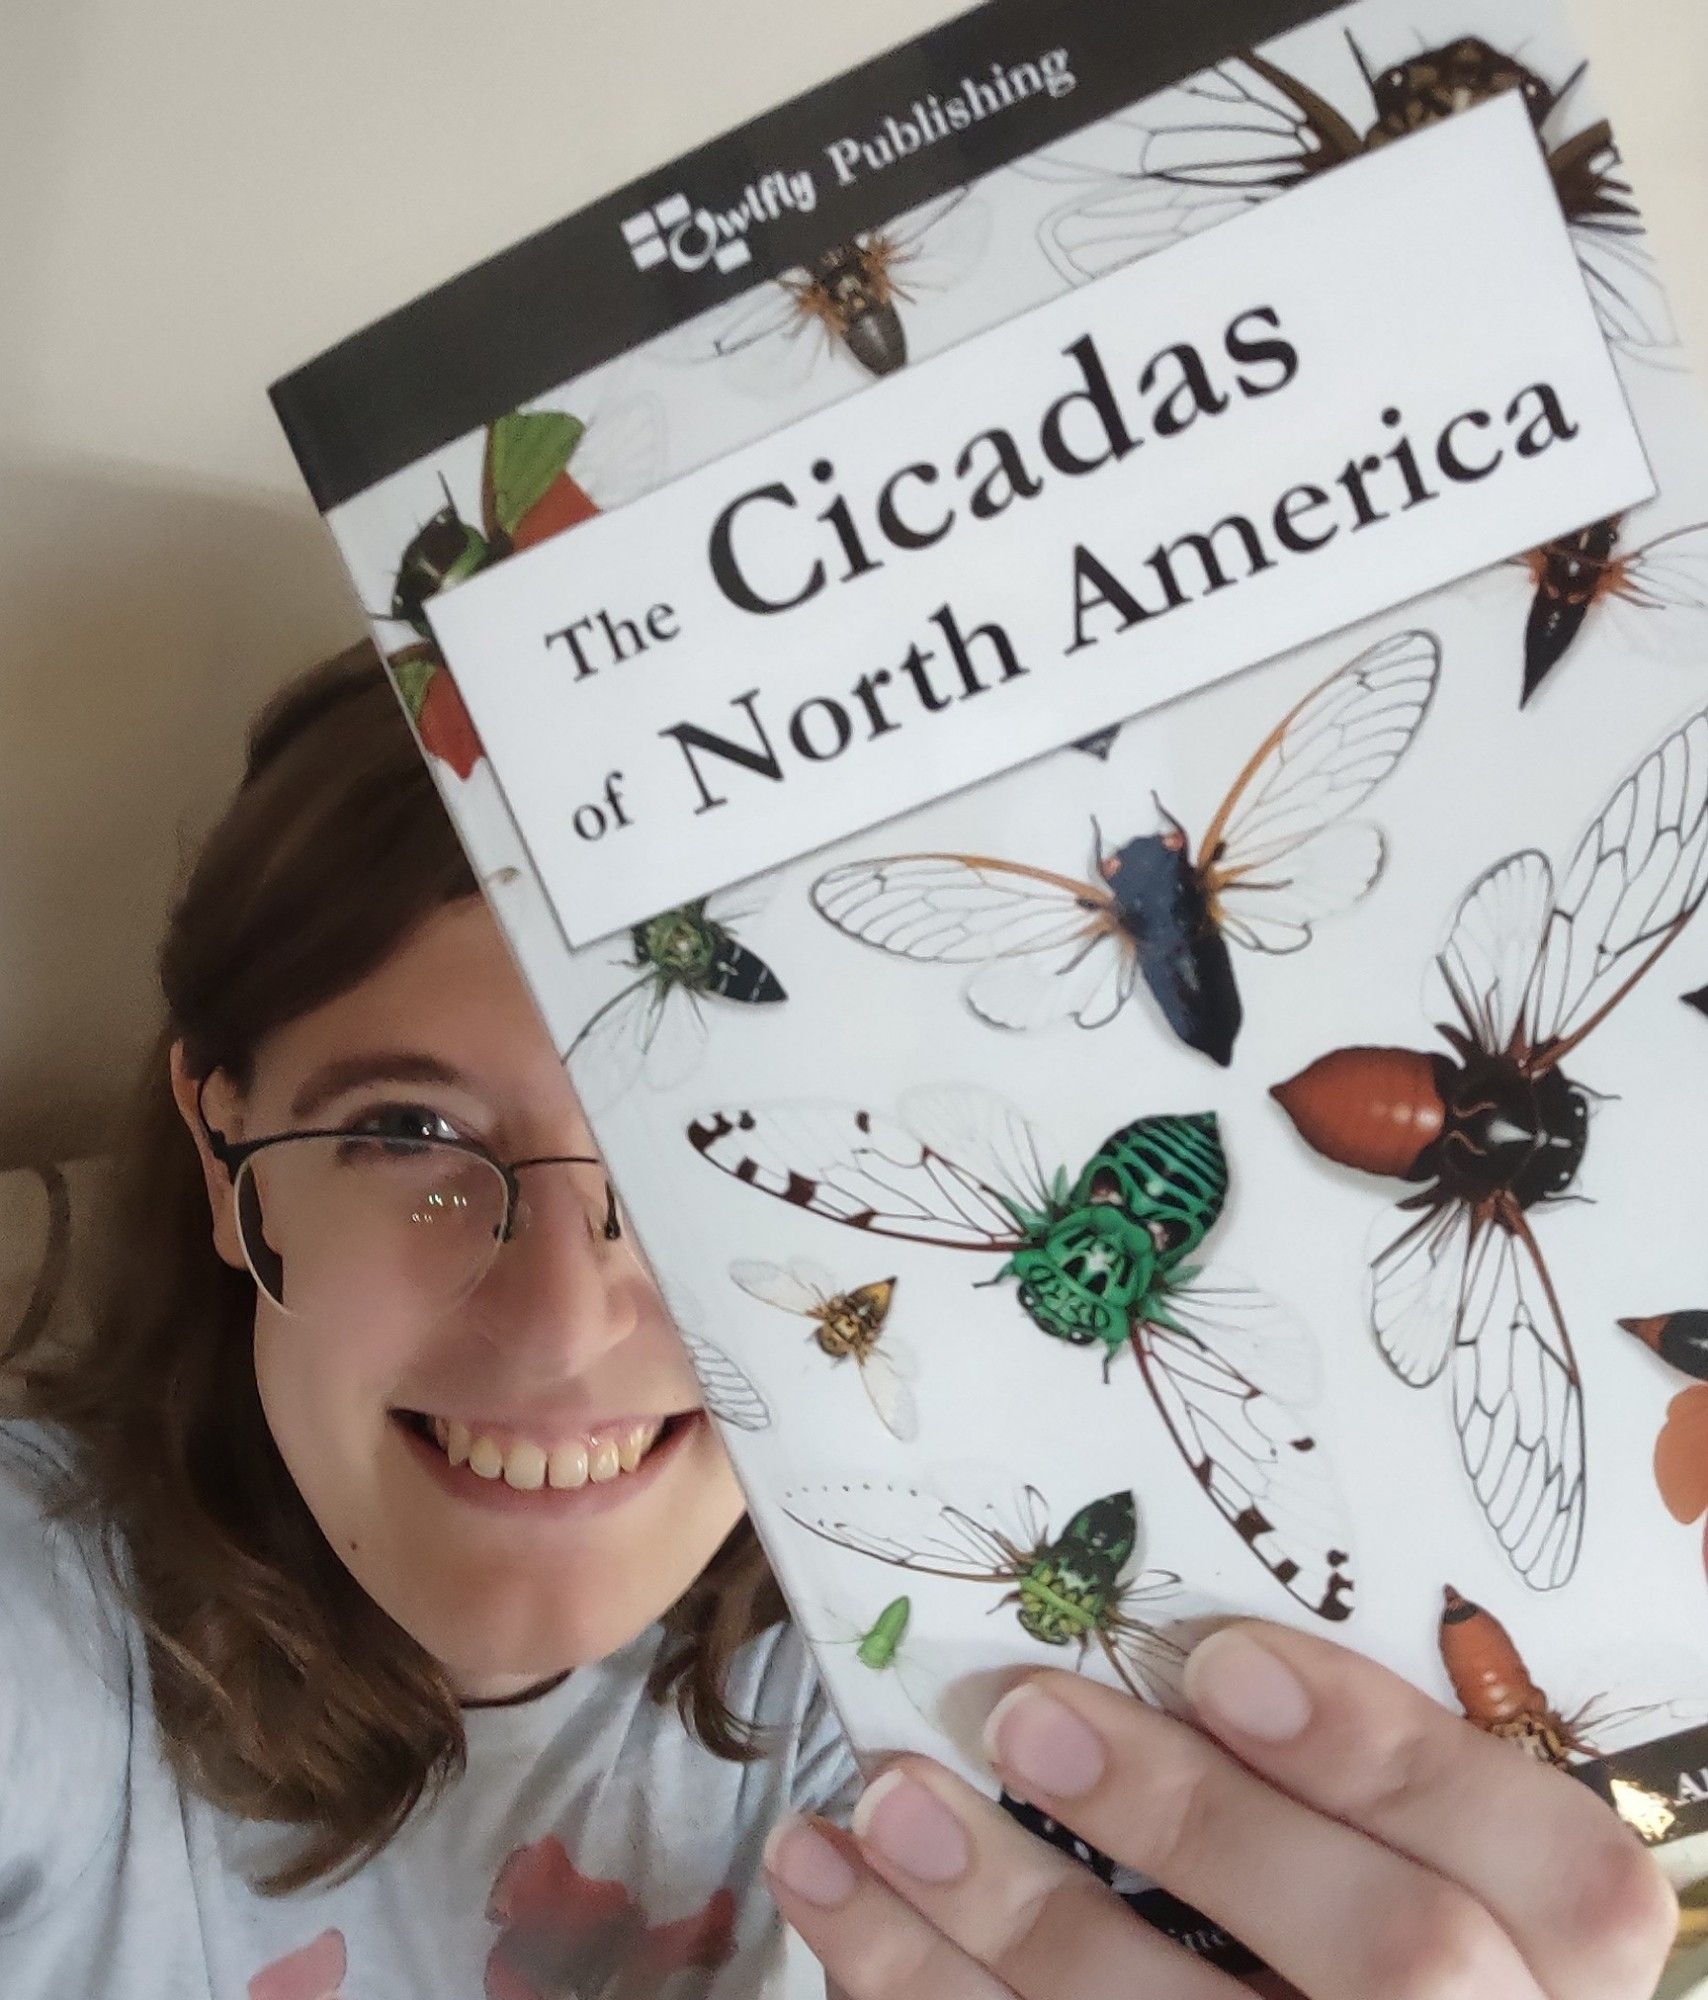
(562, 1289)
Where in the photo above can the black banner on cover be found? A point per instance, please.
(976, 93)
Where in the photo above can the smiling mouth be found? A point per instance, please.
(598, 1459)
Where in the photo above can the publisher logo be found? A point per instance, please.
(672, 231)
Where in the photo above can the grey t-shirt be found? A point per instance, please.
(592, 1850)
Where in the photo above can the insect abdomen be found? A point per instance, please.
(1375, 1109)
(1171, 1169)
(1681, 1338)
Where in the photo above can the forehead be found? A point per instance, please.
(450, 991)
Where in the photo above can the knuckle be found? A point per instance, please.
(1440, 1945)
(1388, 1770)
(1171, 1821)
(1624, 1909)
(1045, 1931)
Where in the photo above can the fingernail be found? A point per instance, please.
(911, 1827)
(1235, 1679)
(1044, 1744)
(805, 1863)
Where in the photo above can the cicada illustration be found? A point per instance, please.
(726, 1388)
(1161, 1909)
(1099, 1261)
(1247, 130)
(1680, 1338)
(1495, 1129)
(848, 1326)
(880, 1645)
(655, 1023)
(1494, 1688)
(1681, 1451)
(1077, 1588)
(1278, 856)
(846, 298)
(1574, 574)
(527, 495)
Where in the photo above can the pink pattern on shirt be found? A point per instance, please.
(569, 1936)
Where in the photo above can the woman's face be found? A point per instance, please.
(560, 1366)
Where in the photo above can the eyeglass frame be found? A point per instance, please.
(234, 1155)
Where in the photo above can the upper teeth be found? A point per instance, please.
(528, 1466)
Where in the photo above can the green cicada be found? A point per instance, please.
(655, 1024)
(1079, 1588)
(1099, 1258)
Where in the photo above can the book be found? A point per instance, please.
(1070, 663)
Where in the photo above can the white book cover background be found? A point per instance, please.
(872, 1111)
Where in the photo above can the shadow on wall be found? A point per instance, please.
(141, 624)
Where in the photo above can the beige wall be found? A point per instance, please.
(196, 195)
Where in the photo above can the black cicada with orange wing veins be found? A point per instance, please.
(848, 296)
(1495, 1129)
(1584, 574)
(1247, 129)
(1279, 856)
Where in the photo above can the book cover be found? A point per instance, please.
(1075, 671)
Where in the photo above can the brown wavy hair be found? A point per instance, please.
(283, 1691)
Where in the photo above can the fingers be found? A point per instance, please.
(942, 1896)
(1339, 1915)
(1584, 1903)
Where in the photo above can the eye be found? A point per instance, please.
(403, 1124)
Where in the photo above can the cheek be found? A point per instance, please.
(323, 1390)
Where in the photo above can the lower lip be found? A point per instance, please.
(546, 1503)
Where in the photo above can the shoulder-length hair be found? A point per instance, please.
(282, 1691)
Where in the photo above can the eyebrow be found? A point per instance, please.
(347, 1073)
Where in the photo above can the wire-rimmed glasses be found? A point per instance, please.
(358, 1214)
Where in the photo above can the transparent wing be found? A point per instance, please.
(1257, 1462)
(777, 1287)
(1264, 859)
(1150, 1664)
(1089, 986)
(1417, 1281)
(1625, 287)
(1518, 1406)
(730, 1393)
(958, 909)
(1266, 1341)
(891, 1396)
(966, 1122)
(1668, 575)
(939, 244)
(858, 1169)
(908, 1528)
(608, 1053)
(1638, 876)
(1246, 128)
(623, 453)
(1488, 963)
(1096, 233)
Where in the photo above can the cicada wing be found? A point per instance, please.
(1149, 1663)
(890, 1395)
(1257, 1462)
(939, 244)
(776, 1286)
(1417, 1287)
(526, 450)
(1263, 860)
(1245, 127)
(1099, 231)
(1488, 964)
(673, 1037)
(1666, 576)
(858, 1169)
(1518, 1406)
(1266, 1341)
(1088, 985)
(1626, 289)
(625, 451)
(729, 1392)
(1638, 876)
(608, 1053)
(963, 1121)
(1277, 906)
(960, 909)
(907, 1527)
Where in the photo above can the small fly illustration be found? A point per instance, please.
(848, 1325)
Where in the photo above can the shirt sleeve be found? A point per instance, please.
(827, 1779)
(66, 1673)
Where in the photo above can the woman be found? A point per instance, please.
(382, 1619)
